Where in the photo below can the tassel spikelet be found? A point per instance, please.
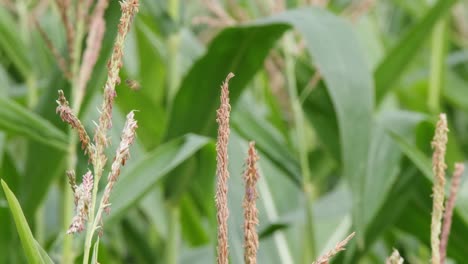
(439, 144)
(250, 209)
(121, 156)
(67, 115)
(222, 172)
(459, 169)
(325, 259)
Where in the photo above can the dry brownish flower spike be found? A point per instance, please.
(325, 259)
(222, 172)
(250, 209)
(129, 9)
(67, 115)
(64, 6)
(395, 258)
(459, 169)
(61, 62)
(71, 179)
(439, 144)
(93, 44)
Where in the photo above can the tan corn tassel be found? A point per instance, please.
(71, 180)
(395, 258)
(64, 7)
(129, 9)
(325, 259)
(250, 209)
(439, 144)
(61, 62)
(459, 168)
(67, 115)
(222, 172)
(93, 44)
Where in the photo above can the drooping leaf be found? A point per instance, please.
(18, 120)
(31, 248)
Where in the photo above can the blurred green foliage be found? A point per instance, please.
(368, 78)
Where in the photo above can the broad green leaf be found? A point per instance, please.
(18, 120)
(138, 180)
(31, 249)
(240, 50)
(396, 60)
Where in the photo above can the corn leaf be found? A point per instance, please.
(18, 120)
(34, 253)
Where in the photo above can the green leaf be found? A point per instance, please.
(18, 120)
(11, 43)
(267, 139)
(240, 50)
(44, 163)
(336, 51)
(385, 156)
(34, 253)
(136, 181)
(416, 156)
(399, 56)
(44, 255)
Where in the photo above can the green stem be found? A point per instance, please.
(173, 45)
(77, 98)
(23, 15)
(299, 122)
(172, 247)
(92, 220)
(439, 40)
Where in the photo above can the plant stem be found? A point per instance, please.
(173, 45)
(77, 98)
(302, 147)
(23, 15)
(172, 247)
(92, 223)
(439, 40)
(172, 84)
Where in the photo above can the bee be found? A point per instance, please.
(133, 84)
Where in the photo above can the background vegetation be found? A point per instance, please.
(341, 99)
